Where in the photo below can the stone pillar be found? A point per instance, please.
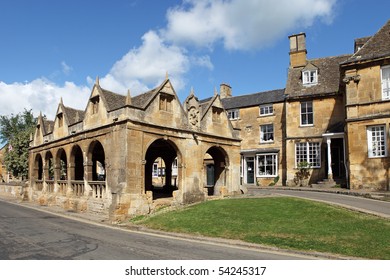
(330, 171)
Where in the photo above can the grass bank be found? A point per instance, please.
(283, 222)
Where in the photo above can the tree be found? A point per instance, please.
(15, 130)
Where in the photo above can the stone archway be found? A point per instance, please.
(169, 155)
(61, 165)
(97, 165)
(76, 164)
(215, 162)
(38, 167)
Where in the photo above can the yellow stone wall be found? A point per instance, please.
(326, 113)
(249, 123)
(364, 108)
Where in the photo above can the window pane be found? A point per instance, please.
(376, 141)
(266, 165)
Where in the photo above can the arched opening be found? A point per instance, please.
(38, 167)
(49, 166)
(49, 172)
(77, 164)
(96, 153)
(62, 165)
(161, 175)
(215, 162)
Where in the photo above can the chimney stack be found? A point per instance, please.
(225, 91)
(298, 50)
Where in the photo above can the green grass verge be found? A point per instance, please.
(282, 222)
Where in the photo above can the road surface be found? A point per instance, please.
(29, 234)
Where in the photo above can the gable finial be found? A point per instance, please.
(128, 98)
(61, 101)
(97, 81)
(215, 91)
(166, 75)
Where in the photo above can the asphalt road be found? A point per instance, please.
(376, 207)
(29, 234)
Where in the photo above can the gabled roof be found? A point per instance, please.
(112, 100)
(73, 115)
(143, 99)
(377, 46)
(328, 77)
(47, 126)
(255, 99)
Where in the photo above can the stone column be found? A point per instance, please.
(330, 171)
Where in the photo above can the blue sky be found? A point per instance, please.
(51, 49)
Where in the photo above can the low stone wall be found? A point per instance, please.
(15, 190)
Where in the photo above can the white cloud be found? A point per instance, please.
(41, 95)
(237, 24)
(147, 66)
(242, 24)
(66, 69)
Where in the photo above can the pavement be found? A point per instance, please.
(252, 192)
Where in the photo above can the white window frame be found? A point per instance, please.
(377, 141)
(266, 109)
(310, 152)
(233, 114)
(385, 83)
(306, 114)
(264, 130)
(310, 77)
(155, 170)
(274, 165)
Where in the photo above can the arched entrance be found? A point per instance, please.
(215, 162)
(161, 161)
(62, 165)
(38, 167)
(97, 155)
(49, 167)
(77, 164)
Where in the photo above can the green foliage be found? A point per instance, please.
(274, 182)
(302, 174)
(15, 130)
(283, 222)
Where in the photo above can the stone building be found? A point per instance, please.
(261, 122)
(101, 159)
(315, 109)
(333, 116)
(366, 75)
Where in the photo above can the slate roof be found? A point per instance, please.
(47, 126)
(249, 100)
(328, 78)
(73, 115)
(113, 100)
(141, 100)
(376, 47)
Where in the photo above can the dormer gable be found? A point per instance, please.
(215, 120)
(310, 74)
(161, 106)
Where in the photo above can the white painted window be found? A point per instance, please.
(155, 169)
(376, 141)
(266, 109)
(307, 113)
(385, 73)
(266, 133)
(309, 152)
(309, 77)
(234, 114)
(267, 165)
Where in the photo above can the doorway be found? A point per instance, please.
(250, 170)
